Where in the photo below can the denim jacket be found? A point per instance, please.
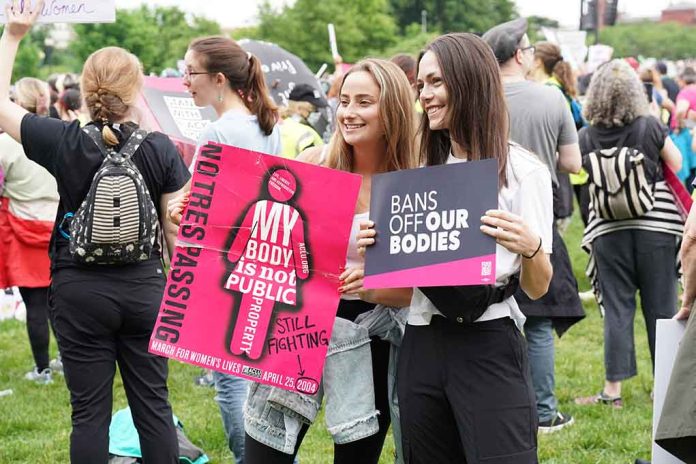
(274, 416)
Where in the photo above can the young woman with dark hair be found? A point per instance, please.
(222, 74)
(465, 393)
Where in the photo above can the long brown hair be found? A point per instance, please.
(244, 74)
(395, 112)
(111, 82)
(476, 108)
(554, 65)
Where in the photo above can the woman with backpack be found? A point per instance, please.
(27, 211)
(106, 267)
(632, 238)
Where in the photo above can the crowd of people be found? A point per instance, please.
(486, 365)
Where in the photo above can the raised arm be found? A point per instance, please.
(20, 16)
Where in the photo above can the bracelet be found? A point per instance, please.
(535, 252)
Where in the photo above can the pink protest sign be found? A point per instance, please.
(252, 289)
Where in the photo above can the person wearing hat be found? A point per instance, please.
(541, 122)
(296, 133)
(311, 104)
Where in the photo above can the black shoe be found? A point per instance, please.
(642, 461)
(556, 423)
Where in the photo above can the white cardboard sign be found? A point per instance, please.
(667, 339)
(72, 11)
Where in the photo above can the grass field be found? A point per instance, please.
(35, 421)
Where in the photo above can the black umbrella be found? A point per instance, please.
(283, 69)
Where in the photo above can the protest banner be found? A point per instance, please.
(252, 289)
(74, 11)
(167, 107)
(428, 226)
(597, 55)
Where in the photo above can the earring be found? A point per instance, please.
(219, 97)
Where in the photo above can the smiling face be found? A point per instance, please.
(202, 87)
(358, 111)
(433, 92)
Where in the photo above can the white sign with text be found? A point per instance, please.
(74, 11)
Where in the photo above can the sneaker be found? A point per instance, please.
(42, 378)
(587, 296)
(56, 365)
(555, 423)
(205, 380)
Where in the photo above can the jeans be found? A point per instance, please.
(231, 393)
(541, 352)
(274, 417)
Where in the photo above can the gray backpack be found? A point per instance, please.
(117, 221)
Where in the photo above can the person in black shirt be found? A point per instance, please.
(103, 314)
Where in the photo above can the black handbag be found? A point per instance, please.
(464, 304)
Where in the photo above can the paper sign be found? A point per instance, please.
(428, 226)
(253, 286)
(73, 11)
(667, 338)
(598, 55)
(332, 40)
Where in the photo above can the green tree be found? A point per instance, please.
(659, 40)
(158, 36)
(454, 15)
(363, 27)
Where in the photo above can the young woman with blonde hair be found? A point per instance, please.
(103, 315)
(374, 134)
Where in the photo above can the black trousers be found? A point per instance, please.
(465, 394)
(364, 451)
(36, 302)
(104, 317)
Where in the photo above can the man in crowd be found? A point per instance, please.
(541, 122)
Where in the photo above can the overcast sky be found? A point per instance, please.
(234, 13)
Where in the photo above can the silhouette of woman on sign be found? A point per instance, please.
(270, 254)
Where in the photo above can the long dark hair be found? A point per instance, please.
(243, 72)
(476, 106)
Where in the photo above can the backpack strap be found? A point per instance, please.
(594, 140)
(134, 141)
(129, 148)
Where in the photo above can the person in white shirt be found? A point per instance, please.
(464, 385)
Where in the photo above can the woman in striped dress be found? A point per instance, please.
(637, 254)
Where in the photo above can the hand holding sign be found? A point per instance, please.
(366, 236)
(21, 16)
(510, 231)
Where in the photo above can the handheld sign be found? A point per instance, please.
(252, 289)
(428, 226)
(74, 11)
(332, 41)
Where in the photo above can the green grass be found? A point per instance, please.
(35, 421)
